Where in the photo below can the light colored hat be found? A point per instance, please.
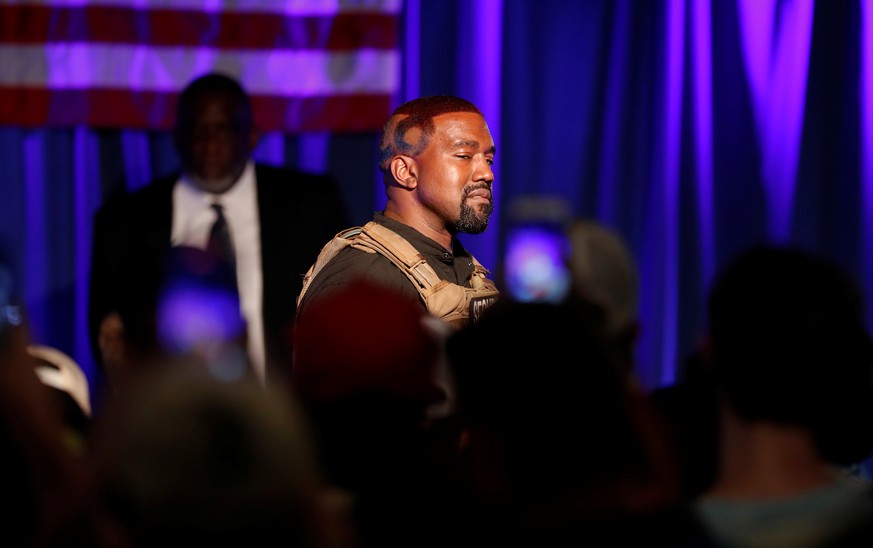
(604, 272)
(58, 370)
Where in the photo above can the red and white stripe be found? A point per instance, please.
(310, 65)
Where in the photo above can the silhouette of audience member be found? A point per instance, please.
(278, 220)
(562, 450)
(604, 276)
(191, 460)
(690, 405)
(605, 280)
(44, 475)
(69, 389)
(793, 364)
(366, 371)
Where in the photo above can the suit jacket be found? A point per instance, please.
(299, 212)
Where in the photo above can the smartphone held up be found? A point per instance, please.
(536, 250)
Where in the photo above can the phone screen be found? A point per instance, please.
(10, 314)
(535, 262)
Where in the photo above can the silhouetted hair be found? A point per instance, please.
(188, 457)
(790, 346)
(537, 374)
(213, 83)
(416, 114)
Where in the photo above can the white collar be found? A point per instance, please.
(241, 192)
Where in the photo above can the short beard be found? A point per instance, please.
(472, 220)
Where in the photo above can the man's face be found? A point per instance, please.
(214, 142)
(455, 174)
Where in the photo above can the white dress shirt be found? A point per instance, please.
(193, 217)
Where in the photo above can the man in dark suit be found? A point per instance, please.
(278, 220)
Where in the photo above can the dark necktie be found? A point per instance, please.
(220, 242)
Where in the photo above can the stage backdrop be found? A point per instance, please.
(693, 127)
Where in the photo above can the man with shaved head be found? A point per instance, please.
(436, 155)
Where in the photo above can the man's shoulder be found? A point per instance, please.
(272, 173)
(155, 189)
(127, 204)
(352, 261)
(290, 185)
(350, 264)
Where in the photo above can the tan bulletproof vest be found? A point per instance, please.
(455, 304)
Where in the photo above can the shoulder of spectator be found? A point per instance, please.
(273, 171)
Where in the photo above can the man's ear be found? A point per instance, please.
(405, 171)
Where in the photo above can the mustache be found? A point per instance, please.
(480, 186)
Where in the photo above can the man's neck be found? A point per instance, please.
(435, 231)
(216, 186)
(768, 460)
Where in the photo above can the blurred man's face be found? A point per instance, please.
(214, 141)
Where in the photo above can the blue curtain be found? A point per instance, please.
(693, 127)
